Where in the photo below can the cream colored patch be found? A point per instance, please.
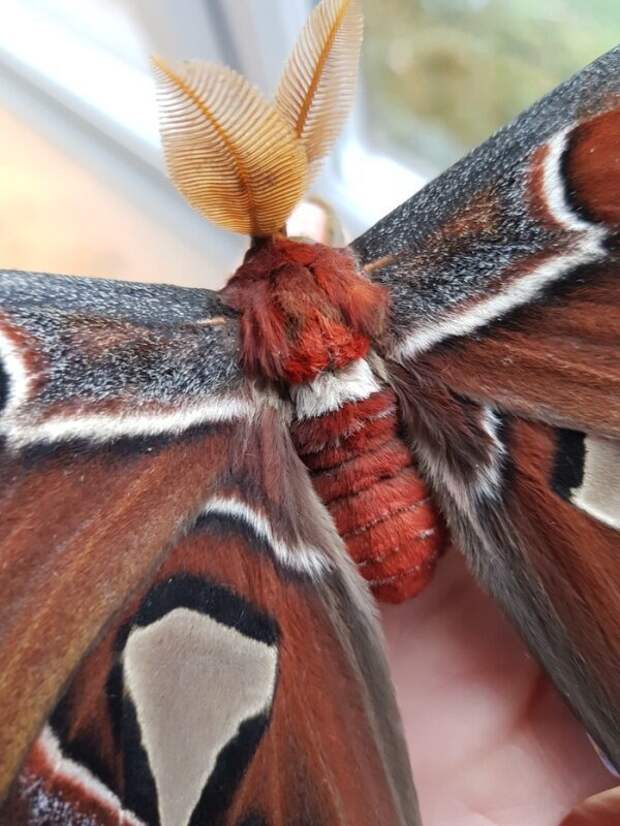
(329, 391)
(599, 494)
(193, 681)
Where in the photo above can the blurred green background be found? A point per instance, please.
(441, 75)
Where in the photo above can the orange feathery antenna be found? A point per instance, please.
(242, 161)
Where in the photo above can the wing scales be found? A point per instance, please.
(274, 674)
(500, 228)
(504, 347)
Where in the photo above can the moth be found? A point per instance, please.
(201, 492)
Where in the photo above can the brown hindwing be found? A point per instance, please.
(244, 684)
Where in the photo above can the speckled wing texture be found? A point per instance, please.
(183, 638)
(504, 346)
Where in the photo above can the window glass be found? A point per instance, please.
(105, 23)
(441, 75)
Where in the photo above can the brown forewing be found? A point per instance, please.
(557, 359)
(80, 530)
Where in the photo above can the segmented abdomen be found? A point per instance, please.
(365, 474)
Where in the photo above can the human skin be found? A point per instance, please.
(491, 741)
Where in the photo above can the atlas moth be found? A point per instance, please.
(202, 493)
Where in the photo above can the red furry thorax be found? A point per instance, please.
(304, 308)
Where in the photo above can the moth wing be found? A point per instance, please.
(504, 345)
(512, 256)
(244, 683)
(118, 401)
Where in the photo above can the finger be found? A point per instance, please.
(600, 810)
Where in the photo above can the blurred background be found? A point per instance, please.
(82, 188)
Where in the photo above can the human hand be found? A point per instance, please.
(491, 741)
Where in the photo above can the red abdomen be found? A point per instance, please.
(365, 475)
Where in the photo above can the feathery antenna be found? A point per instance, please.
(228, 151)
(318, 84)
(241, 161)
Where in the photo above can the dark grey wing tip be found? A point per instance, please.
(411, 222)
(110, 298)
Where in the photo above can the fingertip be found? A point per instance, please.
(599, 810)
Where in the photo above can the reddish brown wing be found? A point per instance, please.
(175, 602)
(80, 530)
(112, 432)
(505, 349)
(244, 684)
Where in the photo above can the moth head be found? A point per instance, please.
(242, 161)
